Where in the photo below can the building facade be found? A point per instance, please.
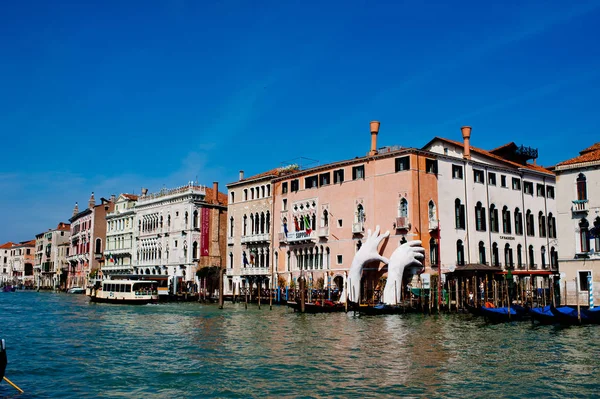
(6, 273)
(179, 230)
(578, 198)
(495, 208)
(21, 261)
(88, 236)
(322, 215)
(48, 265)
(120, 229)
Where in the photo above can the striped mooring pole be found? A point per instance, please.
(590, 289)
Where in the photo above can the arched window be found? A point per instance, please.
(508, 256)
(479, 217)
(460, 253)
(196, 219)
(459, 214)
(581, 187)
(482, 259)
(185, 249)
(494, 219)
(403, 208)
(252, 193)
(98, 246)
(518, 222)
(251, 223)
(231, 226)
(542, 224)
(597, 233)
(195, 250)
(186, 219)
(432, 210)
(262, 223)
(520, 255)
(245, 225)
(584, 235)
(230, 260)
(433, 252)
(543, 253)
(168, 220)
(553, 258)
(495, 257)
(245, 194)
(360, 214)
(232, 197)
(268, 222)
(325, 219)
(531, 257)
(529, 223)
(262, 191)
(551, 226)
(506, 228)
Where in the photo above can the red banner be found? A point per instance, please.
(205, 225)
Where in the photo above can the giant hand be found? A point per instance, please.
(368, 252)
(407, 254)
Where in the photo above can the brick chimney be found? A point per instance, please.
(466, 133)
(241, 175)
(374, 132)
(76, 209)
(216, 192)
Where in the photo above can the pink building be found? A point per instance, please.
(88, 236)
(321, 215)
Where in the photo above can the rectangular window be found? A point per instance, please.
(284, 204)
(358, 172)
(295, 185)
(339, 259)
(516, 183)
(583, 281)
(457, 172)
(284, 188)
(311, 182)
(550, 192)
(503, 181)
(324, 179)
(340, 223)
(478, 176)
(491, 179)
(528, 187)
(540, 190)
(175, 244)
(338, 176)
(402, 163)
(431, 166)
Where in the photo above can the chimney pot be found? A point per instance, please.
(466, 133)
(374, 132)
(241, 175)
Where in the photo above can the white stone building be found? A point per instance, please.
(578, 204)
(47, 258)
(6, 276)
(495, 208)
(249, 232)
(120, 229)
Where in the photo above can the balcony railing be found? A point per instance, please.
(580, 206)
(402, 223)
(255, 271)
(255, 238)
(282, 237)
(324, 232)
(229, 271)
(358, 228)
(434, 224)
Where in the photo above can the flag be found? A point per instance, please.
(296, 224)
(307, 224)
(285, 230)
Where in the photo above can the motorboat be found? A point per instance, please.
(132, 292)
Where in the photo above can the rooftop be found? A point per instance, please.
(590, 154)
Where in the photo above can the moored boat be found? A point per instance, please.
(317, 307)
(8, 288)
(592, 314)
(76, 290)
(503, 314)
(380, 309)
(132, 292)
(543, 315)
(568, 316)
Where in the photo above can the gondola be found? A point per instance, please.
(592, 314)
(568, 316)
(317, 307)
(380, 308)
(504, 314)
(543, 315)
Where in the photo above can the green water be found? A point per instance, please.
(61, 346)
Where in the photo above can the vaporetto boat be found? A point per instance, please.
(133, 292)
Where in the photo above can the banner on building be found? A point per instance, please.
(205, 221)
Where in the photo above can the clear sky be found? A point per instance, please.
(112, 96)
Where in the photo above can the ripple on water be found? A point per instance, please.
(62, 346)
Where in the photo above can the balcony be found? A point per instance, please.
(402, 223)
(253, 238)
(300, 236)
(324, 232)
(255, 271)
(282, 237)
(434, 224)
(580, 206)
(358, 228)
(230, 240)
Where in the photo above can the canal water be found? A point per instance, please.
(61, 346)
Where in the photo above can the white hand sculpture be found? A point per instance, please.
(368, 252)
(408, 254)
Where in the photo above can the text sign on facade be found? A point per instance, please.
(298, 236)
(204, 231)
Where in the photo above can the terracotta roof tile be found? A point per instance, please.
(222, 198)
(594, 147)
(63, 226)
(132, 197)
(590, 156)
(7, 245)
(536, 168)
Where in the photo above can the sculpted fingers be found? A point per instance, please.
(414, 243)
(383, 259)
(383, 236)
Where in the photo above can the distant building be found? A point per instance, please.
(120, 229)
(178, 231)
(578, 197)
(22, 259)
(6, 274)
(48, 266)
(495, 209)
(88, 235)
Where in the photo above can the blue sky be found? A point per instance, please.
(113, 96)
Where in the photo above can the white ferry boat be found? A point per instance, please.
(134, 292)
